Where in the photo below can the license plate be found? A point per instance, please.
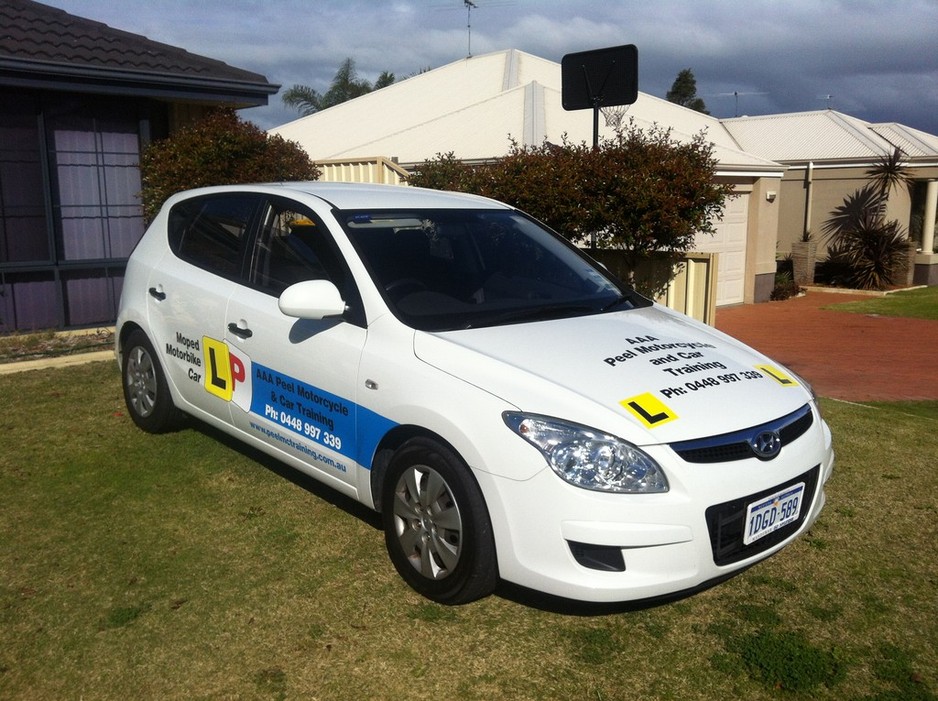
(773, 512)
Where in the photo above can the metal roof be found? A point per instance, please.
(827, 135)
(475, 106)
(914, 143)
(44, 47)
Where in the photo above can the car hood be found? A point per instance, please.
(648, 375)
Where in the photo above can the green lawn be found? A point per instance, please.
(927, 409)
(183, 567)
(920, 304)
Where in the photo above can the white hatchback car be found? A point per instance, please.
(511, 410)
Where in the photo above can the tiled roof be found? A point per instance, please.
(44, 43)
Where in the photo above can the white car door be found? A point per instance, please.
(294, 381)
(189, 292)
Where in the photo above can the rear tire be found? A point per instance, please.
(146, 392)
(436, 526)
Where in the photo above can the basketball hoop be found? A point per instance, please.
(614, 115)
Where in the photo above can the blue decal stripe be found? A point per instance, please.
(316, 415)
(372, 428)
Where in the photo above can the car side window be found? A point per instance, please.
(292, 246)
(210, 231)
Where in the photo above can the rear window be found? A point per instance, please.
(210, 231)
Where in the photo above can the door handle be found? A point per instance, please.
(157, 293)
(240, 331)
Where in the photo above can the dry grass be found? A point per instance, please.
(43, 344)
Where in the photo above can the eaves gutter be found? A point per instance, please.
(856, 163)
(126, 82)
(749, 173)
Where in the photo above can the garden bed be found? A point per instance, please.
(18, 347)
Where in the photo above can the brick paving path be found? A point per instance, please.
(855, 357)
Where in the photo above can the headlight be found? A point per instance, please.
(807, 386)
(589, 458)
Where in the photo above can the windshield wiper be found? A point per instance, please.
(533, 314)
(625, 300)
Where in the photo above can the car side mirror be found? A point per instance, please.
(312, 299)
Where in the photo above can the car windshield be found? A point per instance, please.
(443, 270)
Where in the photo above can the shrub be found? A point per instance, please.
(220, 149)
(641, 191)
(785, 286)
(835, 269)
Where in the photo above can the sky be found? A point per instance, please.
(873, 59)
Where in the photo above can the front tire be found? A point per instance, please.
(436, 526)
(146, 392)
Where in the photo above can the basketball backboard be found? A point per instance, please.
(600, 78)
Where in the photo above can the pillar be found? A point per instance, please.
(928, 224)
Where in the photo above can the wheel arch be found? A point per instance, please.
(125, 330)
(164, 414)
(389, 445)
(472, 571)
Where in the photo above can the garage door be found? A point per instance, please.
(730, 242)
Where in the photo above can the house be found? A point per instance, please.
(78, 101)
(827, 154)
(473, 107)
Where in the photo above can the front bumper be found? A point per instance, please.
(591, 546)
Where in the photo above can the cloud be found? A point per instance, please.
(877, 59)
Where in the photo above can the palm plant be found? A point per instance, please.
(869, 255)
(303, 98)
(346, 85)
(866, 204)
(867, 250)
(889, 172)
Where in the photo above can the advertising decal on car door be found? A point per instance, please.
(226, 374)
(307, 411)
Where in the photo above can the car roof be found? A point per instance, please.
(364, 195)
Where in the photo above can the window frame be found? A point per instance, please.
(347, 286)
(244, 272)
(176, 241)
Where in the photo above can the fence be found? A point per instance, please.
(687, 284)
(362, 170)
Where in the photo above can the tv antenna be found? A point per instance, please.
(469, 7)
(735, 94)
(826, 97)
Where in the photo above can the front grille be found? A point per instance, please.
(738, 445)
(726, 522)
